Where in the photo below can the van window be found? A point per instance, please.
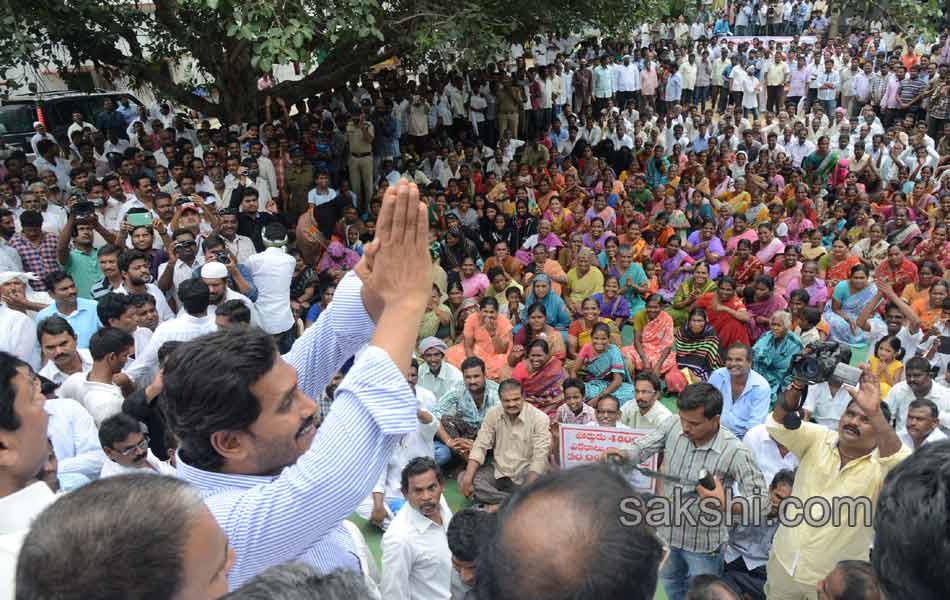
(17, 118)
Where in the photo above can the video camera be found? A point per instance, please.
(79, 206)
(817, 362)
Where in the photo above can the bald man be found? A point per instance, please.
(559, 538)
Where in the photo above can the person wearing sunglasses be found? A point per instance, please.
(125, 442)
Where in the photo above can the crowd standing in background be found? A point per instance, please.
(334, 308)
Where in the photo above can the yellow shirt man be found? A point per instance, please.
(807, 552)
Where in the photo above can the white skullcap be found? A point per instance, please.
(214, 270)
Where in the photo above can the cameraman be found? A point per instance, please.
(239, 276)
(851, 461)
(826, 401)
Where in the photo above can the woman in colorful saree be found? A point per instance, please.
(836, 266)
(847, 301)
(745, 267)
(537, 328)
(675, 265)
(765, 303)
(689, 291)
(773, 352)
(601, 367)
(703, 244)
(556, 311)
(929, 309)
(652, 348)
(541, 375)
(726, 312)
(487, 335)
(697, 347)
(579, 333)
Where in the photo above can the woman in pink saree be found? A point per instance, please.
(652, 348)
(765, 303)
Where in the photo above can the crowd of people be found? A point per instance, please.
(221, 340)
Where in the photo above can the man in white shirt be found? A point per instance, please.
(922, 425)
(40, 135)
(58, 341)
(181, 265)
(125, 441)
(387, 497)
(436, 375)
(192, 323)
(75, 439)
(417, 563)
(826, 402)
(19, 336)
(918, 384)
(646, 412)
(272, 271)
(215, 275)
(265, 166)
(136, 279)
(110, 349)
(23, 452)
(607, 412)
(770, 456)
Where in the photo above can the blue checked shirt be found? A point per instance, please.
(298, 515)
(458, 402)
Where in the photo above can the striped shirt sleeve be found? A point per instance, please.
(280, 520)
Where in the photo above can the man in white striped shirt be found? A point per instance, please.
(246, 419)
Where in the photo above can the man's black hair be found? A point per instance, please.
(911, 521)
(206, 389)
(597, 558)
(112, 306)
(418, 466)
(116, 428)
(127, 257)
(860, 582)
(9, 364)
(235, 310)
(109, 340)
(52, 279)
(701, 394)
(467, 531)
(194, 295)
(54, 325)
(472, 362)
(710, 587)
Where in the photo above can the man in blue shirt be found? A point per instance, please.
(80, 313)
(745, 394)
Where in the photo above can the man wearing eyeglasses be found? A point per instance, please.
(608, 412)
(125, 442)
(180, 265)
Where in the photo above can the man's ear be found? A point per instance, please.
(233, 446)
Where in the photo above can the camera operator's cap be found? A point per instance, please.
(214, 270)
(430, 343)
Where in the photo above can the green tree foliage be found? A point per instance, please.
(234, 42)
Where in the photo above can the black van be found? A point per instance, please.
(55, 109)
